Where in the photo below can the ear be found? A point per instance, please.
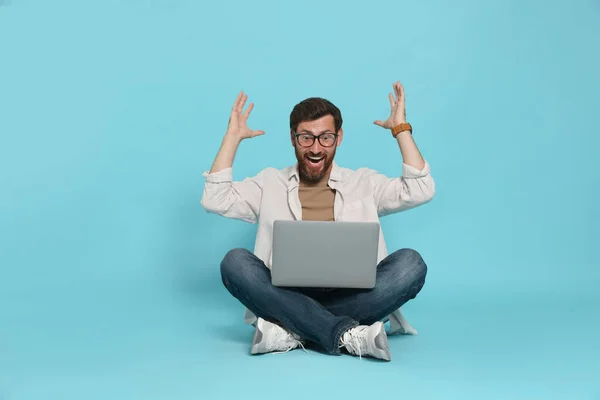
(292, 138)
(340, 136)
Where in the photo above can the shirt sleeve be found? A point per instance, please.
(232, 199)
(414, 188)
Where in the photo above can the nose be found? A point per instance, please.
(316, 147)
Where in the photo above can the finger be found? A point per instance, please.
(257, 133)
(397, 89)
(237, 100)
(391, 99)
(378, 122)
(248, 110)
(241, 103)
(401, 90)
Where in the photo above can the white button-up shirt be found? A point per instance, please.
(360, 195)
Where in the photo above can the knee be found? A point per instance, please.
(411, 262)
(234, 261)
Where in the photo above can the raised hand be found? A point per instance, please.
(238, 126)
(398, 112)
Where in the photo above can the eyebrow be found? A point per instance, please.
(307, 131)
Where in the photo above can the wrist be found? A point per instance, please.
(232, 139)
(401, 127)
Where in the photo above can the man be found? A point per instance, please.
(316, 188)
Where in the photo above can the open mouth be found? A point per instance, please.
(315, 161)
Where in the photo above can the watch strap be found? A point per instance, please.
(401, 128)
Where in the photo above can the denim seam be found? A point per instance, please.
(402, 300)
(339, 330)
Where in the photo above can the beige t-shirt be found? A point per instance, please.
(317, 201)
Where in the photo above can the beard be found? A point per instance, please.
(313, 172)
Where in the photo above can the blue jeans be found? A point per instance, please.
(323, 315)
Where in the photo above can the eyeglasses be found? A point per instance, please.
(326, 139)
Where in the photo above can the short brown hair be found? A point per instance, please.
(314, 108)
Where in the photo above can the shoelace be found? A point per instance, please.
(354, 340)
(283, 340)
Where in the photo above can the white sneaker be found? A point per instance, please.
(368, 341)
(399, 324)
(269, 337)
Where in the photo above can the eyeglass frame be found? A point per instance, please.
(314, 138)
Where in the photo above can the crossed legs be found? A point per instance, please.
(323, 316)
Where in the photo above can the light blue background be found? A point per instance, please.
(110, 111)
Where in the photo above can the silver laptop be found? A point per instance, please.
(325, 254)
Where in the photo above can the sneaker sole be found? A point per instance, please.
(382, 348)
(257, 339)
